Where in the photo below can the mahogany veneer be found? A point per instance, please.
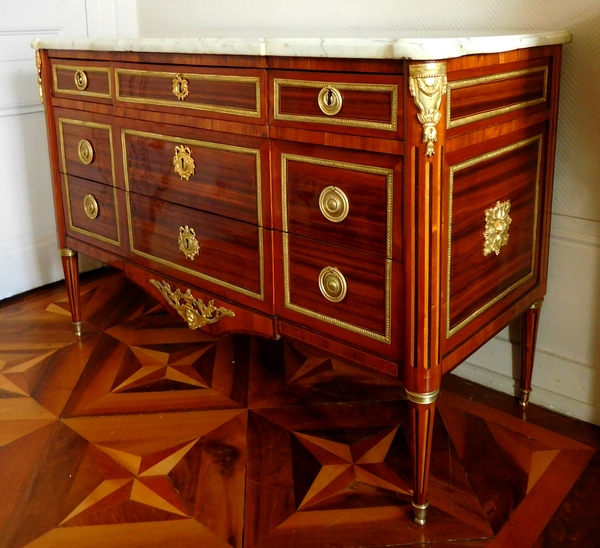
(401, 281)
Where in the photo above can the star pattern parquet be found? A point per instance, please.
(144, 433)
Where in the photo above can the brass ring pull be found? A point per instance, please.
(181, 87)
(85, 151)
(188, 244)
(334, 204)
(90, 206)
(332, 284)
(330, 100)
(184, 164)
(81, 81)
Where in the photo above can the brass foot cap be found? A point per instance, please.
(78, 327)
(524, 399)
(420, 513)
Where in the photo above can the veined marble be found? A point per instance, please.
(418, 46)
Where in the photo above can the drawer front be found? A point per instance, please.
(91, 211)
(236, 93)
(86, 149)
(338, 287)
(86, 80)
(345, 199)
(212, 176)
(344, 103)
(209, 247)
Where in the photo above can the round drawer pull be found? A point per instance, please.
(330, 100)
(334, 204)
(188, 244)
(90, 206)
(332, 284)
(181, 87)
(81, 81)
(184, 164)
(85, 151)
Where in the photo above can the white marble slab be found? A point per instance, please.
(418, 46)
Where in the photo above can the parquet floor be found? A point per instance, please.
(145, 434)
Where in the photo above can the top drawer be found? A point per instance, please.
(86, 79)
(213, 92)
(343, 103)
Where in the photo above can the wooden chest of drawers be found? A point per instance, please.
(393, 212)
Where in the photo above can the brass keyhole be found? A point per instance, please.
(330, 100)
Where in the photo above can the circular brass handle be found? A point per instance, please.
(188, 244)
(330, 100)
(332, 284)
(81, 81)
(334, 204)
(90, 206)
(85, 151)
(183, 162)
(181, 87)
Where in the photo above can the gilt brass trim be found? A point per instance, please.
(382, 337)
(387, 173)
(332, 284)
(468, 163)
(524, 397)
(38, 64)
(334, 204)
(237, 111)
(420, 511)
(85, 151)
(188, 244)
(497, 222)
(422, 398)
(427, 85)
(67, 252)
(330, 100)
(496, 111)
(181, 87)
(78, 328)
(537, 305)
(84, 92)
(201, 275)
(90, 206)
(192, 310)
(63, 157)
(183, 162)
(392, 125)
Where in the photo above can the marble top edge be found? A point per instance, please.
(426, 46)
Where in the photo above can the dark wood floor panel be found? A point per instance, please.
(144, 433)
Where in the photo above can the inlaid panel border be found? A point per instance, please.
(74, 68)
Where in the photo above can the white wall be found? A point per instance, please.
(567, 371)
(28, 242)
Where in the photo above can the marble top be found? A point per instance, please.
(417, 46)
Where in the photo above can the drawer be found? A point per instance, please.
(210, 174)
(225, 253)
(213, 92)
(86, 148)
(337, 102)
(91, 212)
(86, 80)
(337, 288)
(344, 197)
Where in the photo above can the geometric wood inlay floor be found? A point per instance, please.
(144, 433)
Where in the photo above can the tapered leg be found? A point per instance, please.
(422, 412)
(530, 321)
(71, 269)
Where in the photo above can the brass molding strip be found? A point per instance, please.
(55, 68)
(392, 125)
(382, 337)
(497, 111)
(468, 163)
(387, 173)
(423, 399)
(237, 111)
(201, 275)
(94, 125)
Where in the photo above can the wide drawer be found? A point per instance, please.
(85, 79)
(337, 288)
(213, 92)
(346, 198)
(86, 148)
(207, 172)
(91, 212)
(344, 103)
(223, 252)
